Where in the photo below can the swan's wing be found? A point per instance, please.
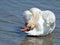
(48, 16)
(27, 14)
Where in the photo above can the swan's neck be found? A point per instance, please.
(35, 18)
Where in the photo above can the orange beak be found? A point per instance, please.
(25, 29)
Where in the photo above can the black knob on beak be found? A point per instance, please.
(29, 28)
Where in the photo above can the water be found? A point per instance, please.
(11, 18)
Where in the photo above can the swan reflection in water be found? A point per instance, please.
(48, 40)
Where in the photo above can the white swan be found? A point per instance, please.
(41, 22)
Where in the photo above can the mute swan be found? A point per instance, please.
(40, 22)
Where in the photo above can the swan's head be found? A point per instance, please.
(33, 16)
